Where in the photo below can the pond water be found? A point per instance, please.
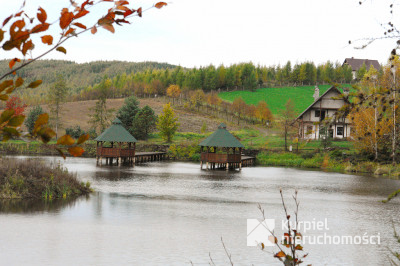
(172, 213)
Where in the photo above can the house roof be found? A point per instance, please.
(116, 133)
(319, 98)
(222, 138)
(356, 64)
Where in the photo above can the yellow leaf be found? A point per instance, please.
(3, 97)
(34, 84)
(83, 138)
(46, 134)
(19, 82)
(16, 121)
(76, 151)
(43, 119)
(6, 115)
(280, 254)
(65, 140)
(5, 84)
(62, 50)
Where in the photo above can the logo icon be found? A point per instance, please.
(260, 232)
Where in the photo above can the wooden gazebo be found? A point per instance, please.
(221, 150)
(121, 145)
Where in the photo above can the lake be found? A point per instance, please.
(173, 213)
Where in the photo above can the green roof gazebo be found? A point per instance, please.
(123, 152)
(221, 150)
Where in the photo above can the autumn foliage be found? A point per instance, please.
(17, 32)
(16, 104)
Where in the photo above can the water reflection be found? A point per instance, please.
(38, 205)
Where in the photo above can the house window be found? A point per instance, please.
(320, 113)
(339, 131)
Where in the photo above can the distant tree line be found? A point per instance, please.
(245, 76)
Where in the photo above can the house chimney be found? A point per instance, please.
(316, 93)
(346, 91)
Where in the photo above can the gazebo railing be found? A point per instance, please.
(115, 152)
(220, 157)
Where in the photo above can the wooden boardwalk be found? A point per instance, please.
(245, 161)
(144, 157)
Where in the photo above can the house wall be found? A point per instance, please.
(330, 107)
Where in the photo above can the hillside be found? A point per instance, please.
(276, 98)
(79, 76)
(77, 113)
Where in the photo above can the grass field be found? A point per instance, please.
(276, 98)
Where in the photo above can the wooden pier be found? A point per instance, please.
(144, 157)
(224, 162)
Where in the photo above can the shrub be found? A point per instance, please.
(32, 178)
(75, 131)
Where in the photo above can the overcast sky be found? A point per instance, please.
(198, 33)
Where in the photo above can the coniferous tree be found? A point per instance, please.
(143, 123)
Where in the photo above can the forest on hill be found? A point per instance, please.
(84, 81)
(77, 76)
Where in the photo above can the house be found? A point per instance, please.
(356, 64)
(324, 109)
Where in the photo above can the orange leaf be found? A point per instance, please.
(70, 30)
(121, 3)
(80, 25)
(129, 12)
(139, 11)
(124, 8)
(93, 30)
(40, 28)
(61, 49)
(76, 151)
(13, 61)
(66, 140)
(19, 24)
(87, 2)
(1, 34)
(41, 15)
(7, 20)
(160, 5)
(83, 138)
(280, 254)
(66, 18)
(48, 39)
(105, 21)
(109, 27)
(27, 46)
(34, 84)
(19, 14)
(81, 13)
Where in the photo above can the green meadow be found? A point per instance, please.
(276, 98)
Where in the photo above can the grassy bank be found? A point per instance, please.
(337, 161)
(31, 178)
